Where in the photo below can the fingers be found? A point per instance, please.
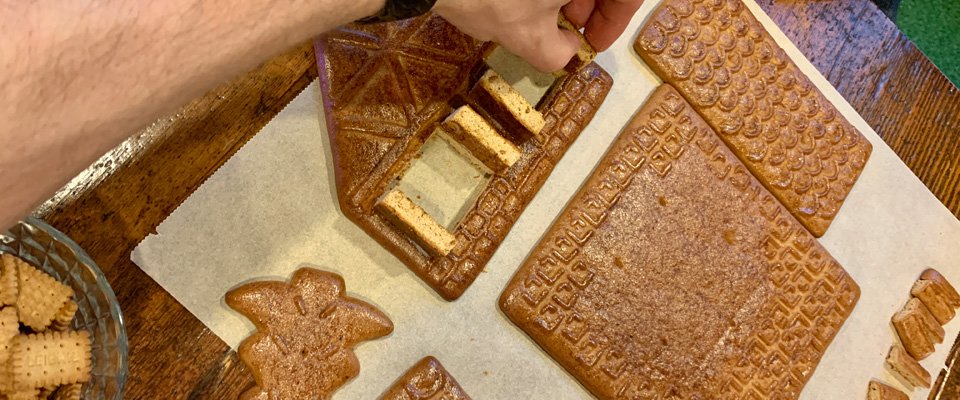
(528, 28)
(579, 11)
(548, 50)
(608, 21)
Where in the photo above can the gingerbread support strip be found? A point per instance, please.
(917, 328)
(585, 54)
(407, 216)
(880, 391)
(501, 100)
(949, 292)
(929, 294)
(468, 132)
(907, 367)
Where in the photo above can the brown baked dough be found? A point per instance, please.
(585, 53)
(880, 391)
(929, 293)
(673, 273)
(413, 221)
(306, 330)
(907, 367)
(495, 94)
(426, 380)
(766, 110)
(937, 294)
(917, 328)
(386, 87)
(953, 298)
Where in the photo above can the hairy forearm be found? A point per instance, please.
(78, 76)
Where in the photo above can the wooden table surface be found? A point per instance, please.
(112, 206)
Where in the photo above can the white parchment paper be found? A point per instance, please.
(272, 207)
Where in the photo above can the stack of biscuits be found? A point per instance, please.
(919, 325)
(40, 356)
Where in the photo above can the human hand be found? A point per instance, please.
(527, 28)
(603, 20)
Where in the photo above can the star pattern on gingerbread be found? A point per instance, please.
(389, 80)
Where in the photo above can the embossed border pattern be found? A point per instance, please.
(809, 293)
(722, 60)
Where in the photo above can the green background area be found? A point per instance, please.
(934, 26)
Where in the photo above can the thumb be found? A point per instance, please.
(551, 50)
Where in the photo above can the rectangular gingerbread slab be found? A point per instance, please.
(782, 128)
(673, 273)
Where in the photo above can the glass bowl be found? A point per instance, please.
(53, 252)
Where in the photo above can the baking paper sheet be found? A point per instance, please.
(272, 207)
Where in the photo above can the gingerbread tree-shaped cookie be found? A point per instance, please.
(306, 331)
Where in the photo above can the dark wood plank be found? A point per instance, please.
(896, 89)
(113, 205)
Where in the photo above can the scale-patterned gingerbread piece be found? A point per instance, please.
(781, 127)
(426, 380)
(673, 273)
(386, 87)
